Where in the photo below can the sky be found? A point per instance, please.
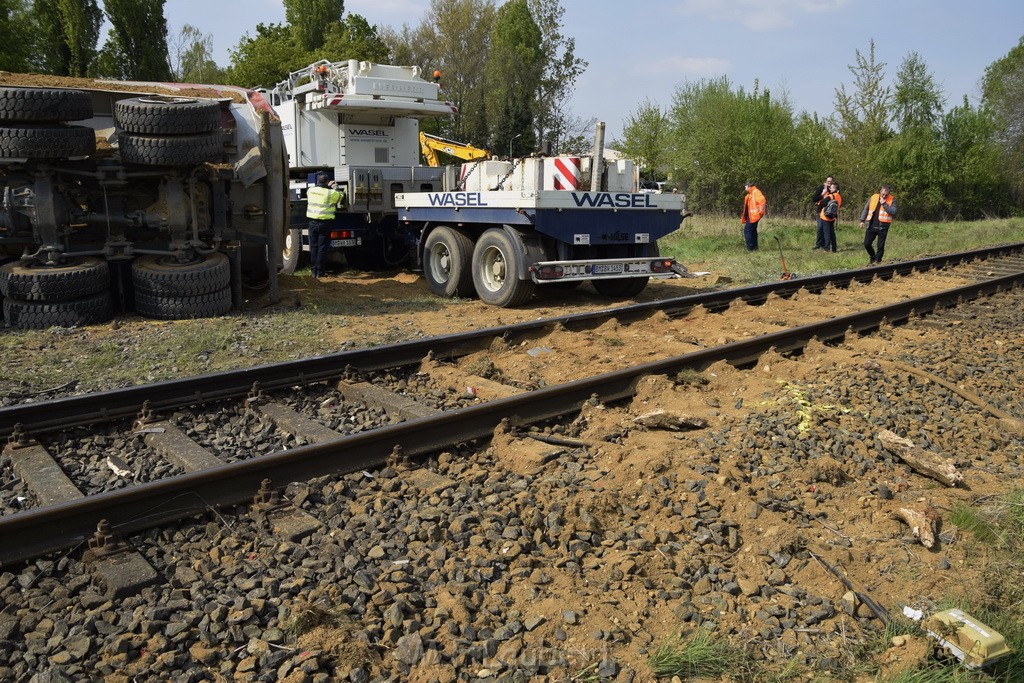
(644, 50)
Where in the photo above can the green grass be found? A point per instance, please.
(716, 243)
(703, 653)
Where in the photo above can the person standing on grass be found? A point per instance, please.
(829, 202)
(875, 219)
(754, 207)
(321, 202)
(816, 200)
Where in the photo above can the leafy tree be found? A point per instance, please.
(67, 34)
(136, 48)
(646, 138)
(352, 38)
(513, 67)
(454, 39)
(310, 20)
(266, 58)
(15, 46)
(975, 185)
(559, 71)
(1002, 94)
(913, 161)
(722, 137)
(863, 122)
(191, 57)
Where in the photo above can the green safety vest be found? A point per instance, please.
(321, 202)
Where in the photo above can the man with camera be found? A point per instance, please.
(875, 219)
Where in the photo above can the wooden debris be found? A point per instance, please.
(920, 460)
(662, 419)
(922, 524)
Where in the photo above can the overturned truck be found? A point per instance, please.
(122, 196)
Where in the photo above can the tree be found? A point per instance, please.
(136, 48)
(863, 122)
(559, 71)
(191, 57)
(513, 74)
(646, 138)
(310, 19)
(266, 58)
(913, 161)
(1002, 94)
(975, 186)
(454, 38)
(15, 46)
(352, 38)
(67, 34)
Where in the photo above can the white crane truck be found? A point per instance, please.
(491, 228)
(156, 199)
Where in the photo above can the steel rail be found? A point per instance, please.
(43, 416)
(36, 532)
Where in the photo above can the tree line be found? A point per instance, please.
(961, 162)
(506, 67)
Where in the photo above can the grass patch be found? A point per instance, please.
(703, 653)
(718, 242)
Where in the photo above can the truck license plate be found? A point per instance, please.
(343, 243)
(607, 268)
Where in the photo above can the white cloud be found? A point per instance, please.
(760, 15)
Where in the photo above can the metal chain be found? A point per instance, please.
(462, 182)
(505, 177)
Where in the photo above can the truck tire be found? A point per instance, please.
(181, 150)
(495, 268)
(183, 307)
(29, 280)
(44, 104)
(46, 141)
(620, 287)
(161, 115)
(164, 276)
(35, 315)
(291, 254)
(447, 263)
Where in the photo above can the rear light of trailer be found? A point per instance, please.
(341, 234)
(550, 272)
(661, 266)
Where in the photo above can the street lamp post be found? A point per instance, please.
(514, 138)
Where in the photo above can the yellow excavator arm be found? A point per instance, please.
(430, 145)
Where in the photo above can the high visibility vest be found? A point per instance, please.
(753, 206)
(883, 215)
(321, 202)
(824, 202)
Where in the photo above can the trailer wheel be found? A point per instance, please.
(35, 315)
(180, 150)
(447, 263)
(30, 280)
(165, 276)
(44, 104)
(495, 268)
(620, 287)
(161, 115)
(183, 307)
(292, 252)
(46, 141)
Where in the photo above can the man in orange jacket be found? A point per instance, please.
(754, 208)
(875, 219)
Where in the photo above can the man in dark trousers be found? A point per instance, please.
(819, 238)
(876, 218)
(321, 202)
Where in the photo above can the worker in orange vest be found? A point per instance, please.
(830, 202)
(876, 218)
(754, 207)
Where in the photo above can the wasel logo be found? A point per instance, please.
(457, 199)
(620, 200)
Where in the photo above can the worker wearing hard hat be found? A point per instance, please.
(321, 202)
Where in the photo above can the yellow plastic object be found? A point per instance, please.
(969, 640)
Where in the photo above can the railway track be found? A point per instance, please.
(376, 415)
